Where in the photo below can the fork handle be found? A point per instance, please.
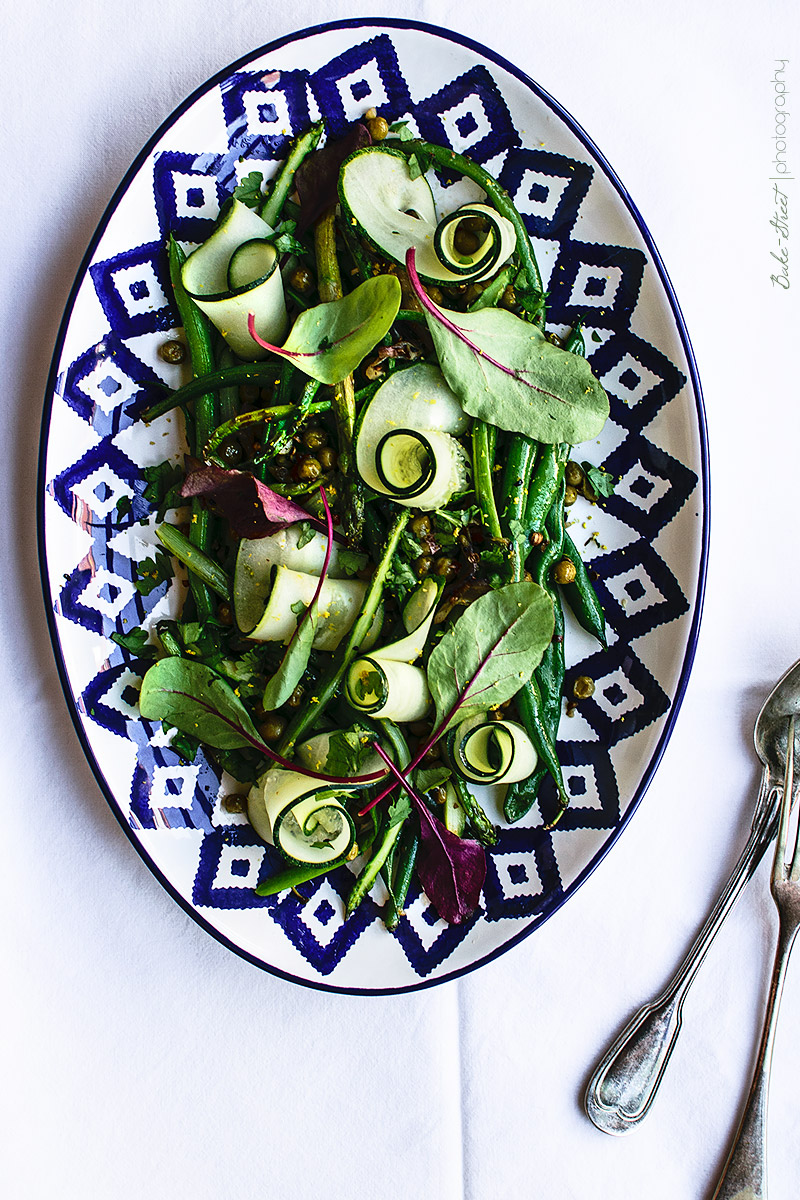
(624, 1083)
(744, 1176)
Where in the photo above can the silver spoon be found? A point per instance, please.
(625, 1081)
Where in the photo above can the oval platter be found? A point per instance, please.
(646, 544)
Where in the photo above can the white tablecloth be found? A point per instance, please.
(142, 1059)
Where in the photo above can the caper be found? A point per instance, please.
(422, 566)
(570, 496)
(583, 687)
(309, 467)
(438, 795)
(172, 351)
(301, 280)
(328, 458)
(231, 453)
(473, 292)
(296, 698)
(314, 437)
(564, 571)
(281, 462)
(224, 613)
(435, 294)
(536, 538)
(464, 242)
(573, 473)
(508, 298)
(433, 754)
(421, 526)
(378, 128)
(234, 803)
(272, 728)
(445, 567)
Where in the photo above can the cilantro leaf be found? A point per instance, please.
(249, 190)
(599, 480)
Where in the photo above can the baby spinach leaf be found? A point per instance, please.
(486, 656)
(505, 371)
(328, 341)
(198, 702)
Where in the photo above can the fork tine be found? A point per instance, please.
(794, 867)
(779, 865)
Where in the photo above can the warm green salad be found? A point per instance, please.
(381, 434)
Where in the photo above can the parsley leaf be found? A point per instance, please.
(249, 190)
(599, 480)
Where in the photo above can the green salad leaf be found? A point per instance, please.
(196, 701)
(484, 658)
(505, 371)
(329, 341)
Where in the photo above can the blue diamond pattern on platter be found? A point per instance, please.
(590, 780)
(317, 926)
(133, 290)
(470, 115)
(596, 284)
(522, 876)
(103, 381)
(366, 76)
(264, 110)
(626, 696)
(188, 190)
(637, 590)
(427, 941)
(547, 189)
(651, 486)
(639, 379)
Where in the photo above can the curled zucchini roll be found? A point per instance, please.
(306, 821)
(383, 688)
(234, 273)
(491, 238)
(339, 604)
(416, 461)
(486, 751)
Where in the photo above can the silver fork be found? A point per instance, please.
(744, 1176)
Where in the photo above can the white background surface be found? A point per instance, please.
(145, 1060)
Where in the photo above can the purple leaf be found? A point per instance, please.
(252, 509)
(317, 179)
(451, 869)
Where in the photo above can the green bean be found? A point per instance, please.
(290, 877)
(493, 292)
(521, 796)
(213, 381)
(581, 596)
(259, 416)
(515, 488)
(544, 486)
(329, 283)
(372, 868)
(198, 340)
(482, 475)
(482, 827)
(405, 855)
(282, 185)
(326, 689)
(228, 396)
(551, 552)
(195, 560)
(411, 314)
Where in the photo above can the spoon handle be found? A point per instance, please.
(625, 1081)
(744, 1174)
